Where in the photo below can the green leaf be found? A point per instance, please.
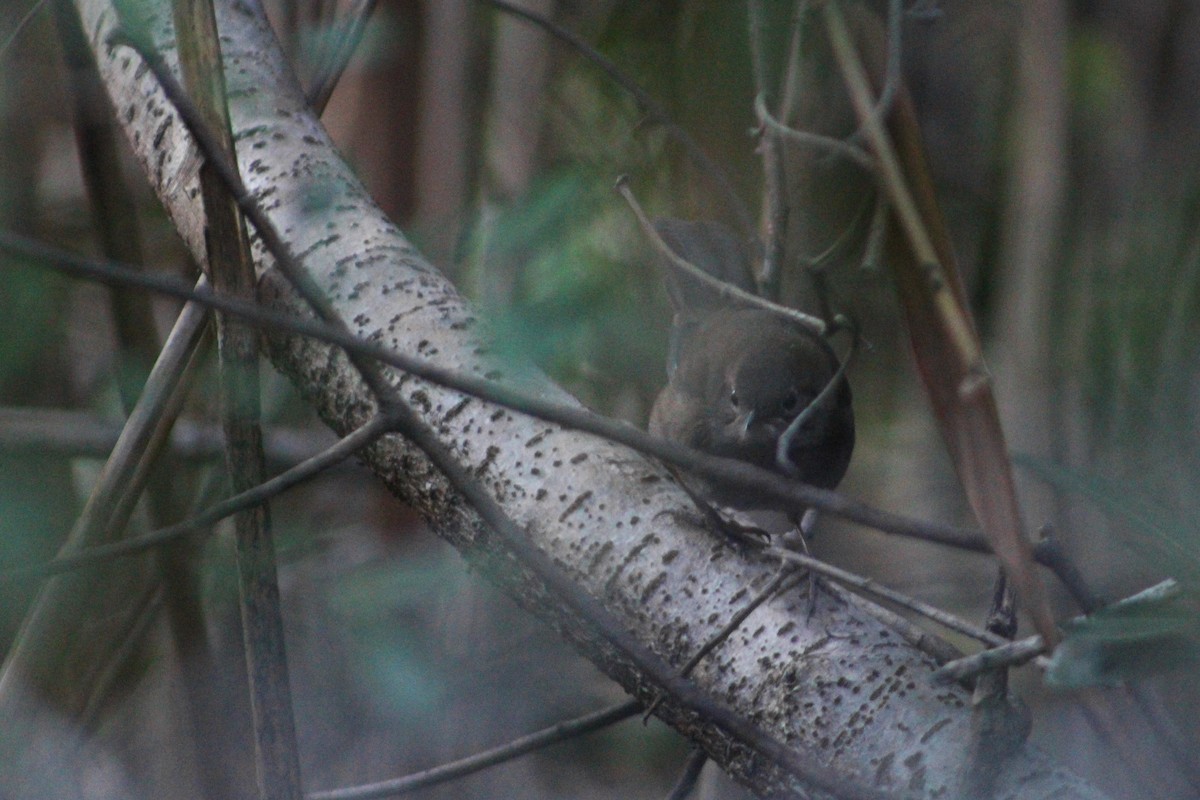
(1153, 631)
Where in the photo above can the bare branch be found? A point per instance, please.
(727, 291)
(705, 165)
(891, 84)
(250, 498)
(42, 648)
(870, 586)
(87, 434)
(735, 473)
(732, 472)
(850, 152)
(443, 773)
(1009, 654)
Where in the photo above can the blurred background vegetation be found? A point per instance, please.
(1063, 140)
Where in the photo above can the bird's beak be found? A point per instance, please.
(741, 425)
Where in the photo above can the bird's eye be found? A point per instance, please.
(790, 401)
(733, 398)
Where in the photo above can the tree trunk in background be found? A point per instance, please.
(1030, 246)
(445, 127)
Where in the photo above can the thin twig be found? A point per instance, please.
(1002, 616)
(727, 471)
(822, 399)
(870, 586)
(1006, 651)
(691, 774)
(146, 471)
(443, 773)
(71, 434)
(758, 54)
(775, 586)
(818, 141)
(1049, 552)
(1009, 654)
(726, 291)
(931, 644)
(706, 166)
(994, 719)
(775, 205)
(997, 725)
(776, 213)
(891, 83)
(791, 76)
(351, 444)
(344, 44)
(958, 329)
(1002, 621)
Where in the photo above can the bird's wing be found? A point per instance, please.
(713, 248)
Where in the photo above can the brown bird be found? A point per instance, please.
(742, 377)
(739, 377)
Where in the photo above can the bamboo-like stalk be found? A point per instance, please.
(231, 269)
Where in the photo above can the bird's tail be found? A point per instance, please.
(712, 247)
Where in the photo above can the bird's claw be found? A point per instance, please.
(736, 533)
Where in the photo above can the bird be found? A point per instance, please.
(742, 378)
(739, 376)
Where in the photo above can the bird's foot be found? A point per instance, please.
(739, 534)
(797, 539)
(812, 590)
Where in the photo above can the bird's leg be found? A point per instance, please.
(797, 539)
(736, 533)
(802, 532)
